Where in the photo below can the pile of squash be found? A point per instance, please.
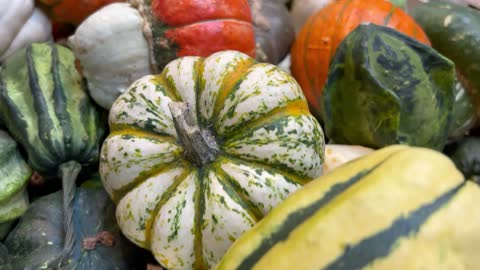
(239, 134)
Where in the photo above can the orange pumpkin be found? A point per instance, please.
(320, 36)
(71, 11)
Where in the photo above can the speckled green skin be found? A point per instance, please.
(455, 32)
(386, 88)
(38, 237)
(45, 107)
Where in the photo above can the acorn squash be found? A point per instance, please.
(44, 105)
(387, 88)
(398, 208)
(14, 175)
(198, 154)
(466, 156)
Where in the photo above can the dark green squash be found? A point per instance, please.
(466, 156)
(454, 31)
(45, 106)
(3, 255)
(38, 239)
(386, 88)
(273, 30)
(463, 114)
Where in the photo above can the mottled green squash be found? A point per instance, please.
(466, 156)
(14, 174)
(386, 88)
(38, 239)
(45, 106)
(454, 31)
(399, 208)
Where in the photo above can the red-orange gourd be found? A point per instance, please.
(320, 36)
(72, 11)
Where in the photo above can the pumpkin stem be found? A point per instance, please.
(200, 145)
(69, 172)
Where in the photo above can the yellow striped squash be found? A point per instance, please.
(198, 154)
(398, 208)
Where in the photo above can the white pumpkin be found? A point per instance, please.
(303, 9)
(112, 51)
(338, 154)
(200, 153)
(21, 24)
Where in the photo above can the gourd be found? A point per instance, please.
(22, 24)
(273, 30)
(318, 40)
(466, 156)
(198, 154)
(395, 209)
(96, 241)
(387, 88)
(14, 174)
(121, 43)
(71, 11)
(455, 32)
(44, 105)
(338, 154)
(303, 9)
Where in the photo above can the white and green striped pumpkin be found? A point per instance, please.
(399, 208)
(200, 153)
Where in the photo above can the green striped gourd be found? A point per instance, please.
(198, 154)
(14, 174)
(455, 32)
(386, 88)
(44, 105)
(398, 208)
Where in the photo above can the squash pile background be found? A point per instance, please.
(189, 134)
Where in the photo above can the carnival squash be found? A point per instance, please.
(21, 24)
(198, 154)
(71, 11)
(318, 40)
(91, 234)
(273, 30)
(14, 174)
(387, 88)
(44, 105)
(119, 44)
(398, 208)
(455, 32)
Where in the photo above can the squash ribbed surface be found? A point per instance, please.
(267, 145)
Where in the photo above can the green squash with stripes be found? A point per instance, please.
(398, 208)
(200, 153)
(14, 175)
(45, 106)
(454, 31)
(386, 88)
